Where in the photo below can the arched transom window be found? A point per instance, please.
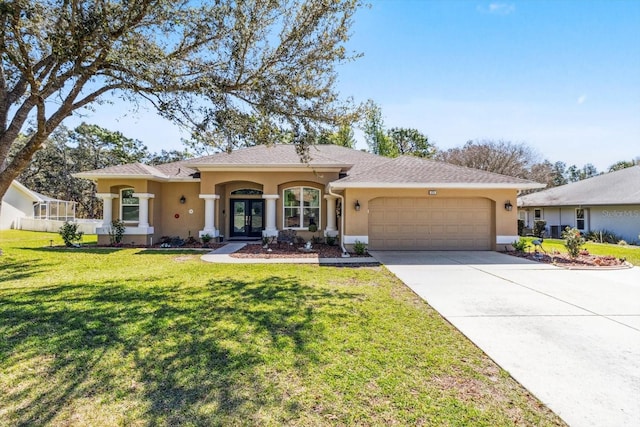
(301, 207)
(129, 206)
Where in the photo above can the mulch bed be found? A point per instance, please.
(286, 250)
(584, 260)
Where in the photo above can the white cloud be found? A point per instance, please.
(498, 8)
(582, 99)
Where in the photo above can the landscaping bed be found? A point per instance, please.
(564, 260)
(286, 250)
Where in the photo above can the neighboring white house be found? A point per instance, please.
(605, 202)
(24, 209)
(17, 203)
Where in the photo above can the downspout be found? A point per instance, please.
(344, 251)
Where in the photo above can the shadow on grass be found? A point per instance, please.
(169, 351)
(81, 250)
(14, 270)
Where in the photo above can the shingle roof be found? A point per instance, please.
(615, 188)
(418, 172)
(363, 169)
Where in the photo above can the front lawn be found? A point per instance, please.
(629, 252)
(133, 337)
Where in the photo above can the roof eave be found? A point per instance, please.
(95, 177)
(436, 185)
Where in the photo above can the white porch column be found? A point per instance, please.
(331, 229)
(143, 213)
(270, 211)
(107, 207)
(209, 215)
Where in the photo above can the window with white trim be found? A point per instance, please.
(580, 219)
(537, 215)
(129, 206)
(301, 207)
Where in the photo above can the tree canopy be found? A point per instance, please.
(229, 70)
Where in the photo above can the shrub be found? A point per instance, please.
(116, 233)
(539, 228)
(573, 241)
(520, 227)
(330, 240)
(316, 240)
(313, 228)
(520, 245)
(359, 248)
(206, 238)
(603, 236)
(622, 243)
(70, 234)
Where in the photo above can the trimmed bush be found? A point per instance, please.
(359, 248)
(521, 227)
(116, 233)
(573, 241)
(70, 234)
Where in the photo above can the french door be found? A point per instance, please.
(247, 217)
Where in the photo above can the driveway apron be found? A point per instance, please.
(571, 337)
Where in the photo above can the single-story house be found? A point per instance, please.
(20, 205)
(605, 202)
(387, 203)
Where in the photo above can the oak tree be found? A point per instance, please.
(226, 69)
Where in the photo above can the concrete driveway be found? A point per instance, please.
(571, 337)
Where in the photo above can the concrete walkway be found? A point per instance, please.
(572, 337)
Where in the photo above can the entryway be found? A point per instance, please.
(247, 218)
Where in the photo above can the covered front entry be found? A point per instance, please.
(247, 217)
(430, 224)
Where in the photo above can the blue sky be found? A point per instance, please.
(561, 76)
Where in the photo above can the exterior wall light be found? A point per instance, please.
(183, 200)
(357, 206)
(508, 206)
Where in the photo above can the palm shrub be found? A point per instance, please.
(520, 245)
(70, 234)
(573, 241)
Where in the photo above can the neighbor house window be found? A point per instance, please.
(301, 207)
(129, 206)
(580, 219)
(537, 214)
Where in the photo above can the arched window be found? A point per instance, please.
(129, 206)
(301, 207)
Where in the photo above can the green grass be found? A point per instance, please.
(628, 252)
(129, 337)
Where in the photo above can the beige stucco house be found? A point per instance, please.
(402, 203)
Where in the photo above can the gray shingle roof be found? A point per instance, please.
(405, 170)
(363, 169)
(615, 188)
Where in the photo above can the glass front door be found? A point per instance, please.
(247, 217)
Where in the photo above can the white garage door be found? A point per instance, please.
(430, 224)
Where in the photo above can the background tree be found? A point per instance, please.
(343, 136)
(574, 173)
(623, 164)
(374, 132)
(411, 142)
(226, 67)
(503, 157)
(87, 147)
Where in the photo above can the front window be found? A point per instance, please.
(129, 206)
(301, 207)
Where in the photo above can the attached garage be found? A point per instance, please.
(431, 224)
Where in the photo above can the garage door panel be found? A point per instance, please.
(430, 224)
